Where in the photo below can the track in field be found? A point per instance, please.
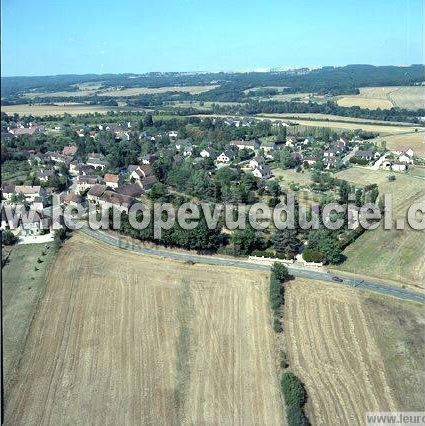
(331, 349)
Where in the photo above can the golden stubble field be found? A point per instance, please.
(351, 356)
(91, 90)
(386, 97)
(121, 338)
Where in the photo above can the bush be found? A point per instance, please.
(295, 416)
(280, 271)
(313, 256)
(360, 161)
(293, 390)
(276, 294)
(283, 360)
(263, 253)
(391, 178)
(277, 325)
(7, 237)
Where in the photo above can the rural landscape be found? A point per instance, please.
(195, 234)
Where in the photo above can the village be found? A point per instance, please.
(79, 177)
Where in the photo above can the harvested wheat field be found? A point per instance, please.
(122, 338)
(331, 349)
(410, 97)
(402, 142)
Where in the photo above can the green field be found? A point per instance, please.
(22, 289)
(395, 255)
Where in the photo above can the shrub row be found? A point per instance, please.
(295, 397)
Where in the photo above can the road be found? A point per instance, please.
(348, 157)
(296, 271)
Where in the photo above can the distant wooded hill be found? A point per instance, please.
(326, 80)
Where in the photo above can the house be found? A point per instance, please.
(146, 135)
(122, 135)
(268, 146)
(149, 159)
(69, 150)
(208, 152)
(7, 191)
(364, 155)
(399, 167)
(406, 157)
(33, 223)
(226, 157)
(113, 199)
(331, 152)
(173, 134)
(96, 163)
(386, 164)
(94, 156)
(297, 156)
(187, 151)
(85, 182)
(262, 172)
(409, 152)
(71, 199)
(252, 144)
(342, 142)
(290, 141)
(134, 190)
(257, 161)
(329, 162)
(111, 180)
(95, 192)
(32, 193)
(45, 175)
(32, 130)
(148, 182)
(73, 168)
(178, 158)
(146, 170)
(310, 160)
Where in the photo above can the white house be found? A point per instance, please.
(226, 157)
(253, 144)
(399, 167)
(405, 157)
(208, 152)
(112, 181)
(262, 172)
(33, 223)
(257, 161)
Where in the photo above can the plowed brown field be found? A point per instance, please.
(333, 352)
(121, 338)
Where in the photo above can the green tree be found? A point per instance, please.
(280, 271)
(293, 390)
(285, 241)
(8, 238)
(148, 121)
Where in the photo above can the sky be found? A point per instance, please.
(45, 37)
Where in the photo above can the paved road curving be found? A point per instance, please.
(298, 272)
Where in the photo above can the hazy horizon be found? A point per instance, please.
(228, 71)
